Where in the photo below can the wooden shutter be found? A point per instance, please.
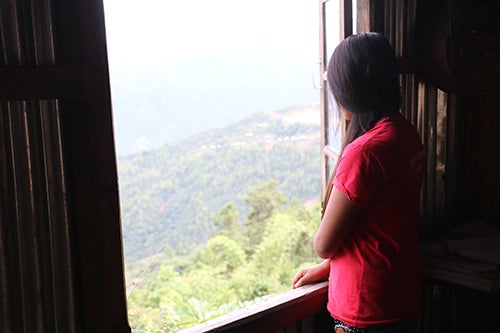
(61, 263)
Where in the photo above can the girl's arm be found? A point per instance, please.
(340, 215)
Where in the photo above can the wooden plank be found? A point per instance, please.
(370, 15)
(345, 18)
(473, 281)
(91, 166)
(363, 24)
(414, 99)
(410, 28)
(441, 153)
(271, 315)
(455, 155)
(36, 83)
(94, 175)
(419, 123)
(430, 148)
(390, 25)
(399, 34)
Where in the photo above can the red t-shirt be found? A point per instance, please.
(375, 278)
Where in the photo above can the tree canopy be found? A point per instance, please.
(227, 273)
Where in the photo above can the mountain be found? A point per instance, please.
(170, 195)
(157, 104)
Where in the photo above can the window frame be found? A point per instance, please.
(329, 153)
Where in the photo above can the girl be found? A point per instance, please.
(368, 235)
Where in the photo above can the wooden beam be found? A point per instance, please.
(35, 83)
(370, 16)
(93, 170)
(345, 18)
(271, 315)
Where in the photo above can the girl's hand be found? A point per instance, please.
(312, 274)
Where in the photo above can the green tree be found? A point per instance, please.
(263, 200)
(222, 276)
(222, 254)
(226, 221)
(286, 245)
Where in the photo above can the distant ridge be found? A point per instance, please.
(169, 195)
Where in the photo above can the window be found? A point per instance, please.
(153, 51)
(261, 41)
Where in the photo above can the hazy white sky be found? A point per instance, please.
(181, 66)
(163, 30)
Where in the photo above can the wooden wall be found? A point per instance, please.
(449, 60)
(61, 264)
(448, 53)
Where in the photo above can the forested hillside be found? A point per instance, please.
(241, 264)
(170, 195)
(220, 219)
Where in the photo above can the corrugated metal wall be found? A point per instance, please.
(37, 280)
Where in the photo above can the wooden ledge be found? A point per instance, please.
(272, 314)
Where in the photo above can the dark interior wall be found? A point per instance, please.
(457, 44)
(482, 176)
(474, 57)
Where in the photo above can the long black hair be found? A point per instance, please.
(363, 79)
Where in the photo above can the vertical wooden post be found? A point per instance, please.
(370, 16)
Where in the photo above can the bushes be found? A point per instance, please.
(227, 274)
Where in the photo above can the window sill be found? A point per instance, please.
(271, 315)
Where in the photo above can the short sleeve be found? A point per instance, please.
(359, 174)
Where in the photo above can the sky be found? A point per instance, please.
(165, 30)
(180, 67)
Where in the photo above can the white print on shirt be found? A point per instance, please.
(416, 162)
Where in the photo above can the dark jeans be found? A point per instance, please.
(403, 327)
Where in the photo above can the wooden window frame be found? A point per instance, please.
(329, 153)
